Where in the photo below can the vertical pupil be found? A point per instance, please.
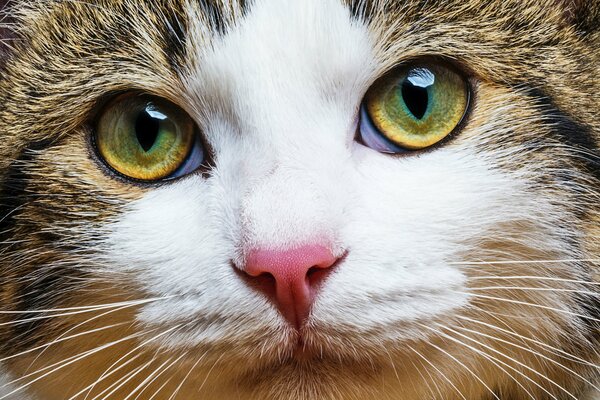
(146, 130)
(416, 98)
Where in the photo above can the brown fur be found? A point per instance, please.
(537, 61)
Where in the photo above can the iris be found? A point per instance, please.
(412, 108)
(147, 138)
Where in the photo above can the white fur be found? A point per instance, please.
(277, 99)
(7, 387)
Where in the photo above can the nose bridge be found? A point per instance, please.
(283, 209)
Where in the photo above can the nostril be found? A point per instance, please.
(290, 277)
(264, 283)
(316, 275)
(312, 270)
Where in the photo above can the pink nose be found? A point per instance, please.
(297, 273)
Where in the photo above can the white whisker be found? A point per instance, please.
(568, 260)
(62, 364)
(161, 369)
(109, 371)
(467, 368)
(440, 372)
(524, 303)
(553, 349)
(534, 289)
(511, 359)
(185, 378)
(531, 352)
(495, 360)
(539, 278)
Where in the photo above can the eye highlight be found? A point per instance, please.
(148, 138)
(413, 108)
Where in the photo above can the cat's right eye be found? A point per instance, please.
(412, 108)
(148, 138)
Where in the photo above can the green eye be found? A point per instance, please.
(147, 138)
(413, 108)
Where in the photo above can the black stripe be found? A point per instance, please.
(7, 35)
(570, 132)
(214, 14)
(176, 29)
(13, 187)
(175, 39)
(28, 293)
(361, 10)
(566, 130)
(590, 307)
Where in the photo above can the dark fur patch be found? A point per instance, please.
(215, 15)
(361, 9)
(13, 189)
(590, 306)
(573, 134)
(7, 35)
(583, 14)
(13, 196)
(175, 38)
(35, 293)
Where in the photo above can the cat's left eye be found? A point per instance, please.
(412, 108)
(148, 138)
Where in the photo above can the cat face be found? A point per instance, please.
(294, 252)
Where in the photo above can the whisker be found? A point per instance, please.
(115, 386)
(532, 352)
(62, 364)
(209, 372)
(185, 378)
(554, 350)
(162, 387)
(393, 365)
(62, 340)
(467, 368)
(539, 278)
(153, 376)
(524, 303)
(494, 360)
(91, 307)
(124, 379)
(497, 314)
(158, 375)
(534, 289)
(109, 371)
(81, 324)
(92, 385)
(570, 260)
(511, 359)
(428, 381)
(440, 372)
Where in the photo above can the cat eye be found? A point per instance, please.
(148, 138)
(412, 108)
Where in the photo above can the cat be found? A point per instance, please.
(316, 199)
